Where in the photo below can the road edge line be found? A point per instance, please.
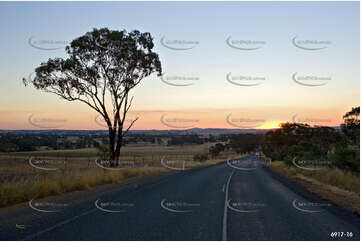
(224, 229)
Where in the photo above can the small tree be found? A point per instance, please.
(216, 149)
(102, 67)
(200, 157)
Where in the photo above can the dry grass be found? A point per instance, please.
(131, 150)
(338, 186)
(16, 192)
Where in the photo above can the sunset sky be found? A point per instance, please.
(285, 41)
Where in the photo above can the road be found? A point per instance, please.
(239, 200)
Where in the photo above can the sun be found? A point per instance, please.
(270, 125)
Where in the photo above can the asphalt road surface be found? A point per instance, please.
(238, 200)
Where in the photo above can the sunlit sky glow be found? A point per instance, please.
(212, 101)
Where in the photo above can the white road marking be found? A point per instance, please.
(224, 231)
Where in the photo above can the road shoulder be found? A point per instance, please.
(304, 191)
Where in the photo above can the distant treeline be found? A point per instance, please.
(16, 142)
(10, 142)
(241, 143)
(196, 139)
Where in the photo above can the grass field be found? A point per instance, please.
(128, 150)
(69, 170)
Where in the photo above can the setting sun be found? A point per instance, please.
(271, 125)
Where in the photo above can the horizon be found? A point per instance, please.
(133, 130)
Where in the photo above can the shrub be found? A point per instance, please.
(345, 158)
(200, 157)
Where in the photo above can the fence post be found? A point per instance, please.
(65, 163)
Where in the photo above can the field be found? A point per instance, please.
(28, 175)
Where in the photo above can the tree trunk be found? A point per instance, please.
(112, 146)
(118, 145)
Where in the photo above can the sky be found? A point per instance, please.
(278, 49)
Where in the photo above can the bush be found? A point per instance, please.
(103, 152)
(345, 158)
(216, 149)
(200, 157)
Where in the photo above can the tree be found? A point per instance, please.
(216, 149)
(102, 67)
(301, 140)
(242, 143)
(200, 157)
(351, 125)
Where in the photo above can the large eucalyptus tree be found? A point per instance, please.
(102, 66)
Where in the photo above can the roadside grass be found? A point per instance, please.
(339, 186)
(17, 192)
